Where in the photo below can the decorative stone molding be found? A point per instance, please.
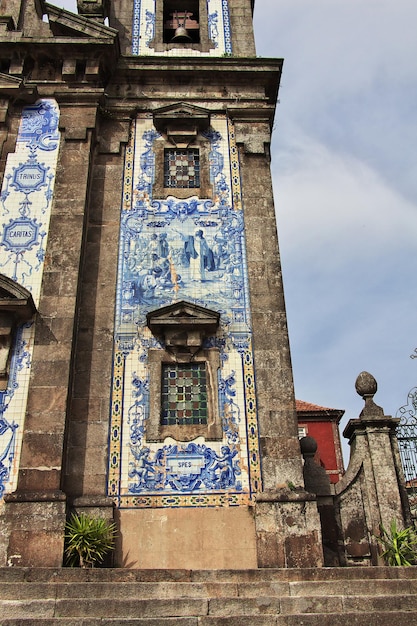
(181, 122)
(16, 307)
(182, 327)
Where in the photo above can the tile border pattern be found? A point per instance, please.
(172, 473)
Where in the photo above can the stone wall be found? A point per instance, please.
(370, 496)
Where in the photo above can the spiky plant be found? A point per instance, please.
(399, 546)
(88, 540)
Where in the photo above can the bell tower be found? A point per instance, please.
(203, 428)
(179, 416)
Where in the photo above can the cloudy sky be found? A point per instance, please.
(345, 177)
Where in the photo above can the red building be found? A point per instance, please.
(322, 424)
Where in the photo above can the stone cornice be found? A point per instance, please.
(246, 88)
(240, 67)
(361, 426)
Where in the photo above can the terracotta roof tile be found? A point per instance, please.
(301, 406)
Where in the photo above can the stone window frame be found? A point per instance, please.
(182, 126)
(157, 432)
(182, 328)
(158, 44)
(205, 190)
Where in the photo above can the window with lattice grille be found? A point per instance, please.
(182, 168)
(184, 394)
(183, 377)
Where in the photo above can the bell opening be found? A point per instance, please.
(181, 21)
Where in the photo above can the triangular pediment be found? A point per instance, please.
(66, 24)
(9, 83)
(16, 299)
(186, 314)
(181, 115)
(181, 109)
(59, 23)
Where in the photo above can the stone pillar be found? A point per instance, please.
(242, 28)
(31, 22)
(287, 520)
(120, 18)
(88, 427)
(372, 492)
(35, 512)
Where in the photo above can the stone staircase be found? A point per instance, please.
(374, 596)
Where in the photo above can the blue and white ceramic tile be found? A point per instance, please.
(26, 199)
(143, 30)
(156, 269)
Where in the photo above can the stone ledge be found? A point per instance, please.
(285, 495)
(35, 496)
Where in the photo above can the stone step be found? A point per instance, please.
(325, 574)
(74, 597)
(170, 590)
(216, 607)
(92, 607)
(353, 587)
(141, 590)
(401, 618)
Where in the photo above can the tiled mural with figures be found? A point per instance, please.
(26, 198)
(218, 30)
(174, 250)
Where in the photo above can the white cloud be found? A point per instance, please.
(349, 76)
(328, 200)
(349, 254)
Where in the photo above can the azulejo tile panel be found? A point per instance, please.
(143, 30)
(171, 250)
(26, 199)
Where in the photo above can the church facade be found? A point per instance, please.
(146, 373)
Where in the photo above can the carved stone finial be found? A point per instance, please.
(308, 446)
(315, 476)
(366, 386)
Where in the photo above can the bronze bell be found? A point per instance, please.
(181, 34)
